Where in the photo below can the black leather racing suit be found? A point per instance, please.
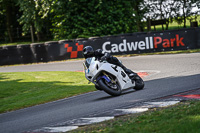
(101, 55)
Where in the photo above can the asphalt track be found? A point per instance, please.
(169, 75)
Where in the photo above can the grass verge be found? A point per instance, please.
(181, 118)
(24, 89)
(16, 43)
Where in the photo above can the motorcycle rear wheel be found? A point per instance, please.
(112, 92)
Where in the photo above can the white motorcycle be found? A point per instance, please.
(109, 77)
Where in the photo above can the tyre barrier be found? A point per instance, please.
(131, 43)
(10, 55)
(65, 48)
(26, 53)
(3, 57)
(198, 38)
(136, 43)
(53, 50)
(70, 49)
(80, 46)
(39, 52)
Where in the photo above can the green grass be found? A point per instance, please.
(174, 25)
(16, 43)
(183, 118)
(24, 89)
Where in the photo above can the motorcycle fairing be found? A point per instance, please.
(123, 79)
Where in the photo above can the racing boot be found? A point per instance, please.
(133, 76)
(130, 73)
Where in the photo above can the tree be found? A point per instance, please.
(85, 18)
(161, 9)
(194, 14)
(9, 11)
(171, 10)
(2, 21)
(31, 16)
(139, 9)
(185, 10)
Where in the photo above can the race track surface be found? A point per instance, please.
(169, 74)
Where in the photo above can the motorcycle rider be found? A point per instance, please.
(101, 55)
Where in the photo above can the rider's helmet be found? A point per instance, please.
(88, 52)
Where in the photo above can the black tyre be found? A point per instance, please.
(109, 90)
(139, 83)
(98, 88)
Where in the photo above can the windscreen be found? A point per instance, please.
(88, 62)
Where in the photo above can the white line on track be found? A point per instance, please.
(87, 121)
(133, 110)
(60, 129)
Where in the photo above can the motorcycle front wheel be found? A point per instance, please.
(114, 90)
(98, 88)
(139, 83)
